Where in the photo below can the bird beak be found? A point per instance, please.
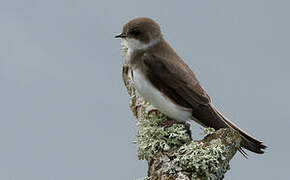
(122, 35)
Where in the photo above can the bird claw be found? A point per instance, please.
(169, 123)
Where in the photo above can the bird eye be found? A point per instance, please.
(135, 32)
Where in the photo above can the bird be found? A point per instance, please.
(163, 79)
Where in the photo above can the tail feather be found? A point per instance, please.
(241, 150)
(248, 142)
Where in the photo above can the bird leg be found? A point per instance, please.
(169, 123)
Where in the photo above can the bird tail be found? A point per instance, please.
(248, 142)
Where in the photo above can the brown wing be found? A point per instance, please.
(176, 80)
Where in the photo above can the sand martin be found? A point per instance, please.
(164, 80)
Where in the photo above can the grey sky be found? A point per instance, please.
(64, 110)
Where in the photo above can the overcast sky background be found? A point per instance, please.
(64, 110)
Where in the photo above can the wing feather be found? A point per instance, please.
(175, 80)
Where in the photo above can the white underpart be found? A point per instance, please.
(159, 100)
(134, 44)
(149, 92)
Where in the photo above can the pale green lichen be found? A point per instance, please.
(153, 137)
(207, 160)
(207, 131)
(197, 160)
(181, 176)
(204, 160)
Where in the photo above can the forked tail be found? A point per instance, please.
(248, 142)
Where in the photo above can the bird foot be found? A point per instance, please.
(169, 123)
